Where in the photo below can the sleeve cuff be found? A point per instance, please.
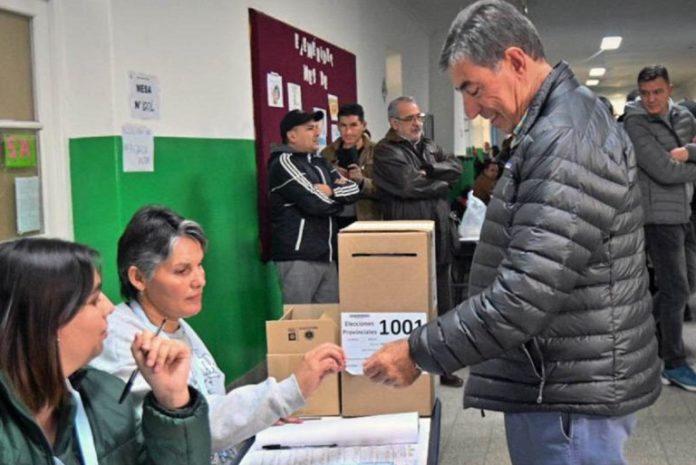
(194, 402)
(691, 148)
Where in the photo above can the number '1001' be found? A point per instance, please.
(398, 327)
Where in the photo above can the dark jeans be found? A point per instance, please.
(667, 245)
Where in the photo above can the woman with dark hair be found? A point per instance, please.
(160, 268)
(53, 410)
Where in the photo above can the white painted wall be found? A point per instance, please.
(200, 52)
(448, 122)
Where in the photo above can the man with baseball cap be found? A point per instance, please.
(306, 192)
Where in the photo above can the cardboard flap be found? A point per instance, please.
(302, 328)
(390, 226)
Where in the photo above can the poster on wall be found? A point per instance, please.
(275, 90)
(294, 97)
(333, 106)
(306, 70)
(144, 96)
(323, 124)
(19, 150)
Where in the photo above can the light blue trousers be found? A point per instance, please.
(555, 438)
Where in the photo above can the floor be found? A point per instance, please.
(665, 435)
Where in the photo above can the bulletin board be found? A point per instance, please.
(292, 69)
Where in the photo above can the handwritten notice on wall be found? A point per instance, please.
(144, 96)
(28, 207)
(138, 149)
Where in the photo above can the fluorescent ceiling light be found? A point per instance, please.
(610, 43)
(592, 82)
(597, 72)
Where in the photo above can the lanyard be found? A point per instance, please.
(196, 369)
(85, 439)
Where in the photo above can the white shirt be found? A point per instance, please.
(234, 416)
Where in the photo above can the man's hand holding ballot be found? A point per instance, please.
(392, 365)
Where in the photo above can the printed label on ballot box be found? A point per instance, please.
(364, 333)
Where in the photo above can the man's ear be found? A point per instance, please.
(136, 278)
(291, 135)
(517, 59)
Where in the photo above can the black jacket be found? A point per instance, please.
(407, 194)
(302, 218)
(559, 317)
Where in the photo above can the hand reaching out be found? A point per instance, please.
(165, 365)
(392, 365)
(324, 359)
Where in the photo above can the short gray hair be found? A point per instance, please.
(149, 239)
(393, 108)
(484, 30)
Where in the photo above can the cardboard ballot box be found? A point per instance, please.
(301, 328)
(387, 267)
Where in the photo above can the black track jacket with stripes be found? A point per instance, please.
(302, 217)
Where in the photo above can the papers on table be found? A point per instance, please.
(400, 439)
(400, 428)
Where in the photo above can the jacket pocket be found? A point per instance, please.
(300, 233)
(531, 348)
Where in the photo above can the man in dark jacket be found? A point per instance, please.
(413, 176)
(306, 192)
(557, 330)
(663, 135)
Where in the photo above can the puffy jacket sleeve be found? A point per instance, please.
(287, 180)
(176, 437)
(566, 197)
(394, 175)
(652, 157)
(691, 144)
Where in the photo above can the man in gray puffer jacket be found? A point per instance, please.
(557, 331)
(663, 136)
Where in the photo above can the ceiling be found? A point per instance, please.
(653, 31)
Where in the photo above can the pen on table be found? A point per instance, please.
(129, 384)
(279, 447)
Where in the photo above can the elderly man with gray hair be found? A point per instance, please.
(413, 176)
(557, 331)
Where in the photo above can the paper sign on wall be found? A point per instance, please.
(294, 97)
(333, 106)
(27, 205)
(274, 89)
(364, 333)
(335, 133)
(322, 124)
(19, 150)
(144, 96)
(138, 149)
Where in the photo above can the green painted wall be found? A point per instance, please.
(212, 181)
